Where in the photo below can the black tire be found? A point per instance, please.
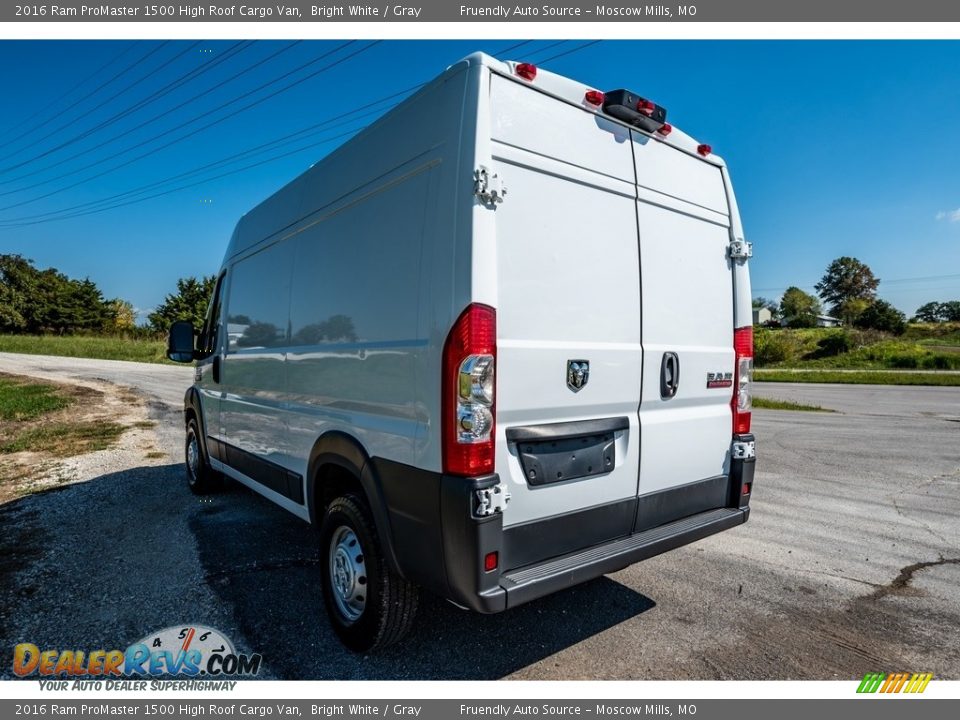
(201, 478)
(389, 602)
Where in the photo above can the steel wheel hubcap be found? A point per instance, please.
(348, 574)
(193, 457)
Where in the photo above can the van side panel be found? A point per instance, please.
(366, 236)
(355, 344)
(252, 374)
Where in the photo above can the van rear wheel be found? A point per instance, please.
(369, 605)
(201, 478)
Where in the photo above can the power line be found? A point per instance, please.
(75, 171)
(188, 77)
(75, 87)
(571, 51)
(126, 112)
(514, 47)
(45, 217)
(135, 83)
(85, 97)
(142, 125)
(200, 182)
(208, 125)
(536, 52)
(286, 139)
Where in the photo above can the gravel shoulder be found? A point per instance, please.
(93, 402)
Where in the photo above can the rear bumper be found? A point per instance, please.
(527, 584)
(439, 543)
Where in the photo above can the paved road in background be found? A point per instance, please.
(849, 564)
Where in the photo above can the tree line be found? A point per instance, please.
(849, 289)
(46, 301)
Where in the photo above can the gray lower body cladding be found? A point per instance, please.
(439, 544)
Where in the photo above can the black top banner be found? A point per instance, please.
(630, 11)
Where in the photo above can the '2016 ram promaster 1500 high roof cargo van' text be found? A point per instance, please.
(497, 344)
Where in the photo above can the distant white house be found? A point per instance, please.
(825, 321)
(761, 316)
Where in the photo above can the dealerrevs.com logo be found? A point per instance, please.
(186, 650)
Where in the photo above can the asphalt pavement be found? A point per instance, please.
(849, 564)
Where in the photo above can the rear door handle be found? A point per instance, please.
(669, 375)
(216, 369)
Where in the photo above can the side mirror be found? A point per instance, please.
(180, 342)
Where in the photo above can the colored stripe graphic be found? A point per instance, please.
(894, 682)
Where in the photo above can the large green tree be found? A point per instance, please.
(849, 286)
(950, 311)
(189, 302)
(41, 301)
(881, 315)
(123, 316)
(933, 312)
(798, 308)
(929, 312)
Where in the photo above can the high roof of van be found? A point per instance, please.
(575, 93)
(280, 211)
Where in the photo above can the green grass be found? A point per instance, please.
(21, 400)
(922, 347)
(65, 439)
(83, 346)
(768, 404)
(859, 377)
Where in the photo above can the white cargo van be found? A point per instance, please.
(497, 344)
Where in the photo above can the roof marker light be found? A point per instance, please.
(704, 149)
(526, 71)
(665, 129)
(594, 97)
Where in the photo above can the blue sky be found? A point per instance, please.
(835, 148)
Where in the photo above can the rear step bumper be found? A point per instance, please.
(529, 583)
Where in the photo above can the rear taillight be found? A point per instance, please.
(743, 379)
(469, 392)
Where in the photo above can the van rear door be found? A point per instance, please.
(568, 324)
(687, 290)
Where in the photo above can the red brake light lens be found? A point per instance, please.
(704, 149)
(646, 107)
(665, 129)
(594, 97)
(742, 379)
(526, 71)
(469, 393)
(490, 561)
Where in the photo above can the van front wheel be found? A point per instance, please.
(370, 606)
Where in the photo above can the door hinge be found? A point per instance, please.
(491, 500)
(488, 186)
(740, 249)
